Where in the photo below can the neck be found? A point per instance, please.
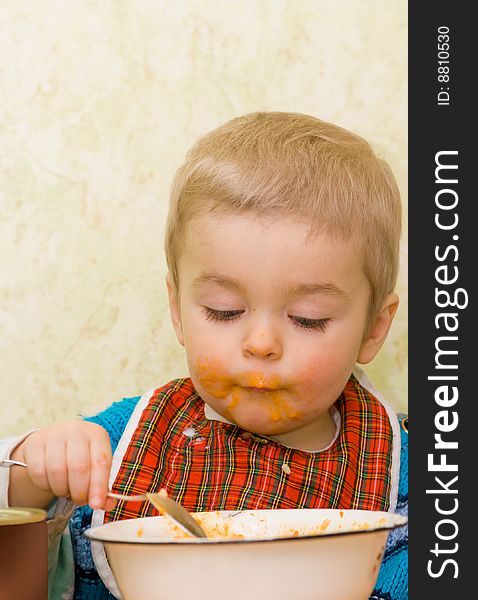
(312, 437)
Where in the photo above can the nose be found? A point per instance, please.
(262, 342)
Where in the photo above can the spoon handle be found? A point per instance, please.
(10, 463)
(137, 498)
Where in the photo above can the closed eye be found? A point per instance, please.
(221, 315)
(313, 324)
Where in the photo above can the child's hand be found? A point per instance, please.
(67, 459)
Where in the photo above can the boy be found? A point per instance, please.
(282, 247)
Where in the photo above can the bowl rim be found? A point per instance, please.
(92, 534)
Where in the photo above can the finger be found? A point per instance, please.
(34, 456)
(55, 465)
(100, 456)
(110, 504)
(78, 464)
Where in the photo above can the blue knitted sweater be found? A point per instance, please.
(392, 582)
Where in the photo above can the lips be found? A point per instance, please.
(262, 390)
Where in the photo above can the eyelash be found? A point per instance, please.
(221, 315)
(231, 315)
(310, 324)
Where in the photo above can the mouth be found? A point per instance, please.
(260, 390)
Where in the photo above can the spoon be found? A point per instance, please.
(159, 500)
(169, 507)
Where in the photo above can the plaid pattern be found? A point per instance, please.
(209, 465)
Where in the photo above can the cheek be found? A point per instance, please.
(197, 336)
(202, 335)
(200, 350)
(211, 375)
(324, 368)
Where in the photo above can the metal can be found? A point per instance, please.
(23, 554)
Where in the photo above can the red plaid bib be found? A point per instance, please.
(210, 465)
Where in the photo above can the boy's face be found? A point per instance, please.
(272, 322)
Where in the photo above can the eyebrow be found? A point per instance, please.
(326, 288)
(295, 289)
(222, 280)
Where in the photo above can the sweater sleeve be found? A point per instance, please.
(392, 582)
(115, 418)
(88, 584)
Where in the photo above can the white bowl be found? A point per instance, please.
(299, 554)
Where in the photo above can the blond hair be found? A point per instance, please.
(303, 167)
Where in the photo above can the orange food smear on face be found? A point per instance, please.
(212, 377)
(281, 409)
(259, 380)
(275, 411)
(291, 413)
(234, 402)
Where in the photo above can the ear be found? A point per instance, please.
(378, 330)
(174, 309)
